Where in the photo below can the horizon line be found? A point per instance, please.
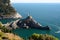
(42, 3)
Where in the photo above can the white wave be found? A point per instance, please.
(58, 27)
(57, 32)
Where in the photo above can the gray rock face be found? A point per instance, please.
(29, 22)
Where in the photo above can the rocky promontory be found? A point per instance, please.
(27, 23)
(7, 11)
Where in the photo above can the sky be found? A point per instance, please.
(35, 1)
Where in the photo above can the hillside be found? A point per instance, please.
(6, 34)
(7, 11)
(9, 36)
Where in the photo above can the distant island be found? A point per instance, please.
(7, 11)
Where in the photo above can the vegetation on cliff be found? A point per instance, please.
(6, 34)
(9, 36)
(42, 37)
(5, 7)
(7, 11)
(4, 29)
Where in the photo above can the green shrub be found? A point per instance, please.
(1, 34)
(42, 37)
(0, 24)
(4, 29)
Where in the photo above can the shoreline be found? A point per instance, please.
(11, 16)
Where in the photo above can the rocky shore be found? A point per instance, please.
(12, 16)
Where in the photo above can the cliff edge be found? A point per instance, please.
(7, 11)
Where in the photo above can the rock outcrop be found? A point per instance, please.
(27, 22)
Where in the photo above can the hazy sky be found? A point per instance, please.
(35, 1)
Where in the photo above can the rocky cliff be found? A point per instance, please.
(7, 11)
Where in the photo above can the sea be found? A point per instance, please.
(43, 13)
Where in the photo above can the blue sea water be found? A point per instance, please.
(44, 13)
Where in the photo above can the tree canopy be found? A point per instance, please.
(5, 7)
